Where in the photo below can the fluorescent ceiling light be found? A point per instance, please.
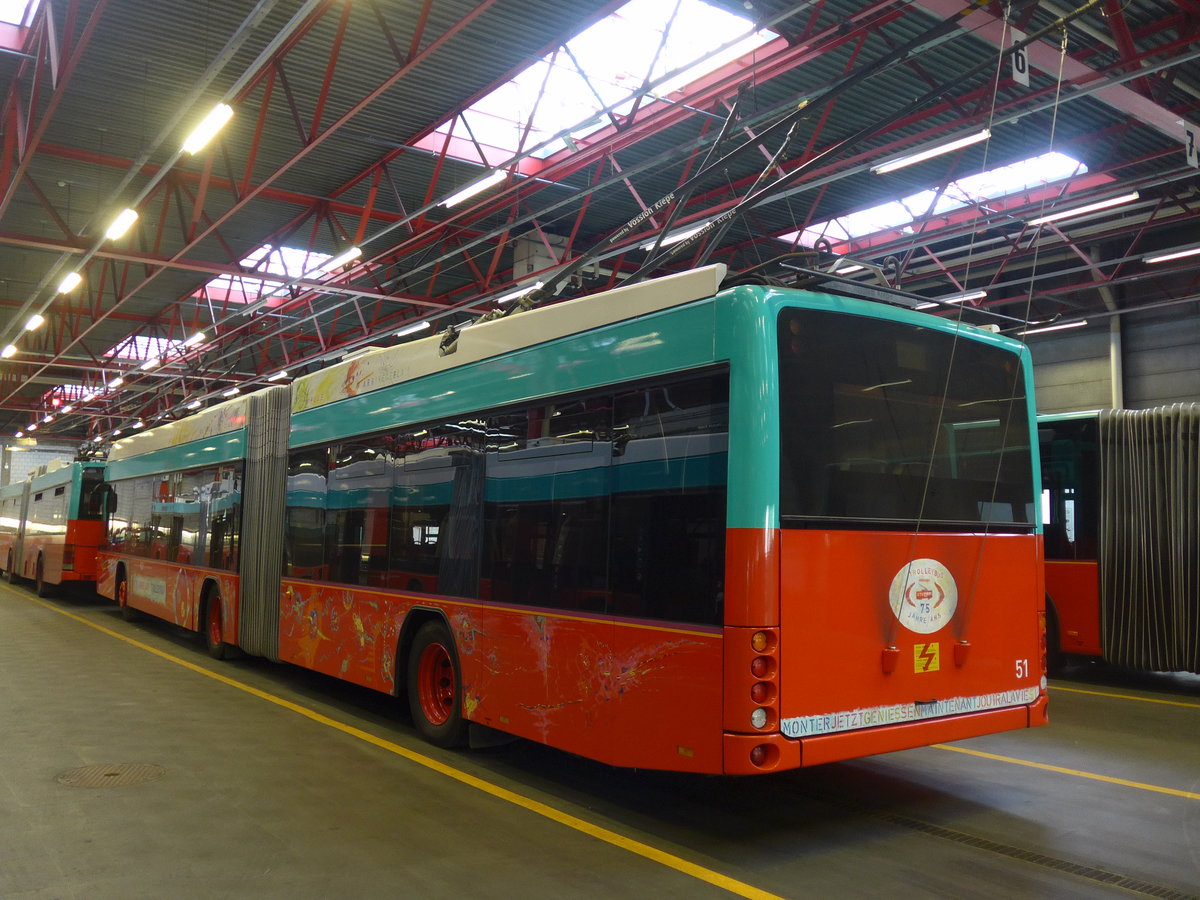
(964, 297)
(1082, 210)
(116, 382)
(232, 392)
(472, 189)
(208, 127)
(953, 298)
(116, 431)
(121, 224)
(139, 424)
(35, 322)
(281, 374)
(198, 338)
(519, 292)
(846, 270)
(32, 426)
(413, 328)
(67, 409)
(1171, 254)
(902, 161)
(341, 259)
(20, 434)
(70, 281)
(90, 395)
(9, 350)
(675, 236)
(47, 419)
(195, 404)
(1078, 324)
(152, 363)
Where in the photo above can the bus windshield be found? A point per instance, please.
(887, 424)
(91, 494)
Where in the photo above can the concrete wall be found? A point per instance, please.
(1160, 358)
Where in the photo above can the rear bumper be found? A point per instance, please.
(813, 751)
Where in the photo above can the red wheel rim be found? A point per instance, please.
(214, 620)
(123, 594)
(435, 684)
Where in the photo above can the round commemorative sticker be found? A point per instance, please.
(923, 595)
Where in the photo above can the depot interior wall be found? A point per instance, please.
(1072, 370)
(18, 462)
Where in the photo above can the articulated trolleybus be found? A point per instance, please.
(51, 525)
(668, 526)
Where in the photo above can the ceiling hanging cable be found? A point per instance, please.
(962, 622)
(777, 187)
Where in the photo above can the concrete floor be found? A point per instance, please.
(335, 796)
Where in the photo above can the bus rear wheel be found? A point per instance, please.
(128, 613)
(42, 588)
(213, 632)
(435, 686)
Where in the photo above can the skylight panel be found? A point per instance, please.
(142, 347)
(607, 64)
(17, 12)
(1029, 175)
(288, 262)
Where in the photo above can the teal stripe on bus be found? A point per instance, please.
(210, 451)
(675, 340)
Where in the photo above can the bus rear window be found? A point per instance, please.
(886, 424)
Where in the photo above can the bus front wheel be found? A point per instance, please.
(435, 686)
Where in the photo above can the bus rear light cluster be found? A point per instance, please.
(68, 563)
(763, 692)
(1044, 646)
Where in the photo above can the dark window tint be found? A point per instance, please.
(1070, 488)
(887, 424)
(191, 517)
(304, 523)
(609, 502)
(91, 494)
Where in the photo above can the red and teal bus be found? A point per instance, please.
(51, 525)
(668, 526)
(1121, 512)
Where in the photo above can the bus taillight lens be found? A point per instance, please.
(762, 667)
(68, 562)
(762, 692)
(760, 641)
(759, 717)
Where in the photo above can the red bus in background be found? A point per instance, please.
(1120, 501)
(51, 526)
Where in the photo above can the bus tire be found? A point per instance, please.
(435, 686)
(1056, 660)
(40, 586)
(210, 625)
(128, 613)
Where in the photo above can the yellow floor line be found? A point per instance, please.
(1078, 773)
(1055, 687)
(732, 885)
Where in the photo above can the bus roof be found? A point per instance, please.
(223, 418)
(380, 368)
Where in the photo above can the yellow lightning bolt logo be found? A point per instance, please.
(926, 657)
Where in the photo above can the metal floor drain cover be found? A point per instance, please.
(113, 775)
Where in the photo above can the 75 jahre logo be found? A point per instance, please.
(923, 595)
